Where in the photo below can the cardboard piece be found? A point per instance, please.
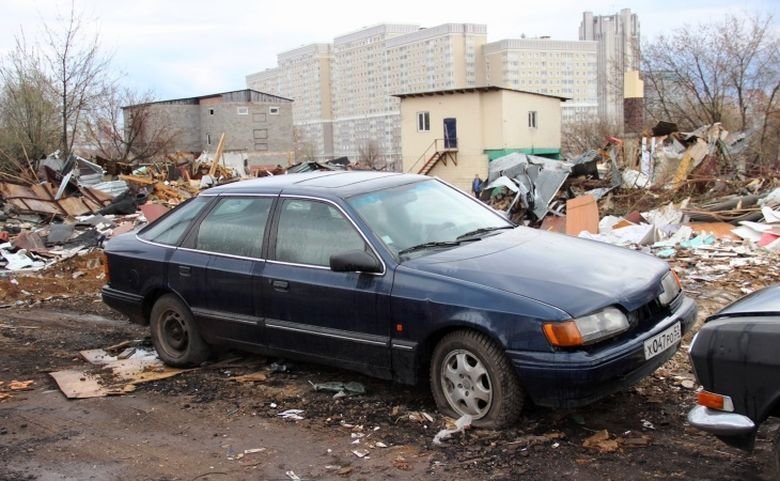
(582, 214)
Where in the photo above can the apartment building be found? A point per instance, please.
(618, 52)
(366, 68)
(304, 74)
(545, 66)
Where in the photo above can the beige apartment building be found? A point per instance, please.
(304, 74)
(553, 67)
(453, 134)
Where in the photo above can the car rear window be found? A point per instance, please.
(170, 228)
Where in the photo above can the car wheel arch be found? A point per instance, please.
(151, 298)
(427, 346)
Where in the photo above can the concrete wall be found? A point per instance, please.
(517, 133)
(255, 130)
(183, 119)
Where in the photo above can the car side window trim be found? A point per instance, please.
(274, 230)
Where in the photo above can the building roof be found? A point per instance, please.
(469, 90)
(244, 95)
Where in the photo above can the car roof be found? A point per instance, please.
(339, 183)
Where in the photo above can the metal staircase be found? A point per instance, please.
(439, 150)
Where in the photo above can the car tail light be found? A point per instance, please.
(715, 401)
(104, 261)
(563, 334)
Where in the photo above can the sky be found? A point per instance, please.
(187, 48)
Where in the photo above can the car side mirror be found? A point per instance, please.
(354, 261)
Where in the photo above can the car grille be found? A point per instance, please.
(649, 314)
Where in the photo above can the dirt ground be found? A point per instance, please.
(201, 425)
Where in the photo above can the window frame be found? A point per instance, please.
(272, 233)
(274, 110)
(533, 119)
(424, 120)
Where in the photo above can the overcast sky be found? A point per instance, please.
(187, 48)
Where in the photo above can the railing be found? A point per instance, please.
(438, 145)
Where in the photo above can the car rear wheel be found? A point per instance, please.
(471, 375)
(174, 334)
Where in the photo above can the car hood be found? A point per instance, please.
(763, 302)
(576, 275)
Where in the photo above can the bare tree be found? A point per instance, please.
(123, 125)
(721, 71)
(28, 112)
(370, 155)
(705, 74)
(304, 150)
(78, 71)
(582, 135)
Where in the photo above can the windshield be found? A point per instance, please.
(421, 217)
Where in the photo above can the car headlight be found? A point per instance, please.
(588, 329)
(672, 287)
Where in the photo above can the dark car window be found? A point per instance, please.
(310, 232)
(235, 226)
(169, 229)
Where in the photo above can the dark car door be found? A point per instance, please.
(231, 236)
(313, 311)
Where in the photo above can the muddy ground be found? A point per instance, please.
(201, 425)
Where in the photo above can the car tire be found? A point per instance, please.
(175, 335)
(470, 374)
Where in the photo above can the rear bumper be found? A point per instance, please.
(734, 429)
(570, 379)
(720, 423)
(127, 303)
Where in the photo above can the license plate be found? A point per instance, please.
(663, 341)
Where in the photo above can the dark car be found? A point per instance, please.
(735, 359)
(401, 277)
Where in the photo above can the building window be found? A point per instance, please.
(273, 110)
(532, 119)
(208, 139)
(242, 110)
(423, 121)
(211, 111)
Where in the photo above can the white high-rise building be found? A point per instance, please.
(303, 74)
(618, 52)
(553, 67)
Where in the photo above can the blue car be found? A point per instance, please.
(400, 277)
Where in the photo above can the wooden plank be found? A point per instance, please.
(138, 180)
(217, 155)
(582, 214)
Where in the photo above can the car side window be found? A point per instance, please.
(235, 226)
(310, 232)
(169, 229)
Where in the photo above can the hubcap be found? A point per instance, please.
(175, 331)
(466, 383)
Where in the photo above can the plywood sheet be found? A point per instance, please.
(582, 214)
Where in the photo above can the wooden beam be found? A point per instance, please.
(217, 155)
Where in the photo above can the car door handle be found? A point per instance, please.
(185, 271)
(280, 285)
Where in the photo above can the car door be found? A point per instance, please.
(313, 311)
(231, 235)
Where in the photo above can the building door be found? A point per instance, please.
(450, 134)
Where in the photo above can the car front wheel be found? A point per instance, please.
(174, 334)
(471, 375)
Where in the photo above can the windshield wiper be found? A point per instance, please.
(428, 245)
(483, 230)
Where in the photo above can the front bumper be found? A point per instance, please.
(570, 379)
